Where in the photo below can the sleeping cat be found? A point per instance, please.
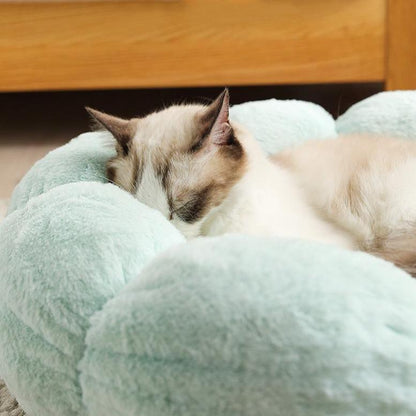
(209, 176)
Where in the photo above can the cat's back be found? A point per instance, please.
(364, 183)
(346, 155)
(347, 161)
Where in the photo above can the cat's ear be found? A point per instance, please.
(122, 130)
(216, 120)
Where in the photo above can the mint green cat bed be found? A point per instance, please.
(104, 310)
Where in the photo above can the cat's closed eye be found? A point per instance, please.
(194, 208)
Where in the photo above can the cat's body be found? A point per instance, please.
(209, 176)
(366, 186)
(267, 200)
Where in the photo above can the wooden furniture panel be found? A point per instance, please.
(75, 45)
(401, 45)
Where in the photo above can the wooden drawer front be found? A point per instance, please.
(189, 42)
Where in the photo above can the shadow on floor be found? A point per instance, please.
(47, 117)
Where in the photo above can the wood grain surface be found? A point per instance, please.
(401, 43)
(87, 45)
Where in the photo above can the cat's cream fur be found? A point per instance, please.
(209, 176)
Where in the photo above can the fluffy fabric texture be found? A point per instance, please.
(105, 310)
(63, 255)
(3, 208)
(278, 125)
(82, 159)
(390, 113)
(274, 328)
(8, 404)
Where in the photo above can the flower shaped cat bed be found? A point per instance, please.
(105, 310)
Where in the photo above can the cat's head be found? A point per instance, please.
(182, 160)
